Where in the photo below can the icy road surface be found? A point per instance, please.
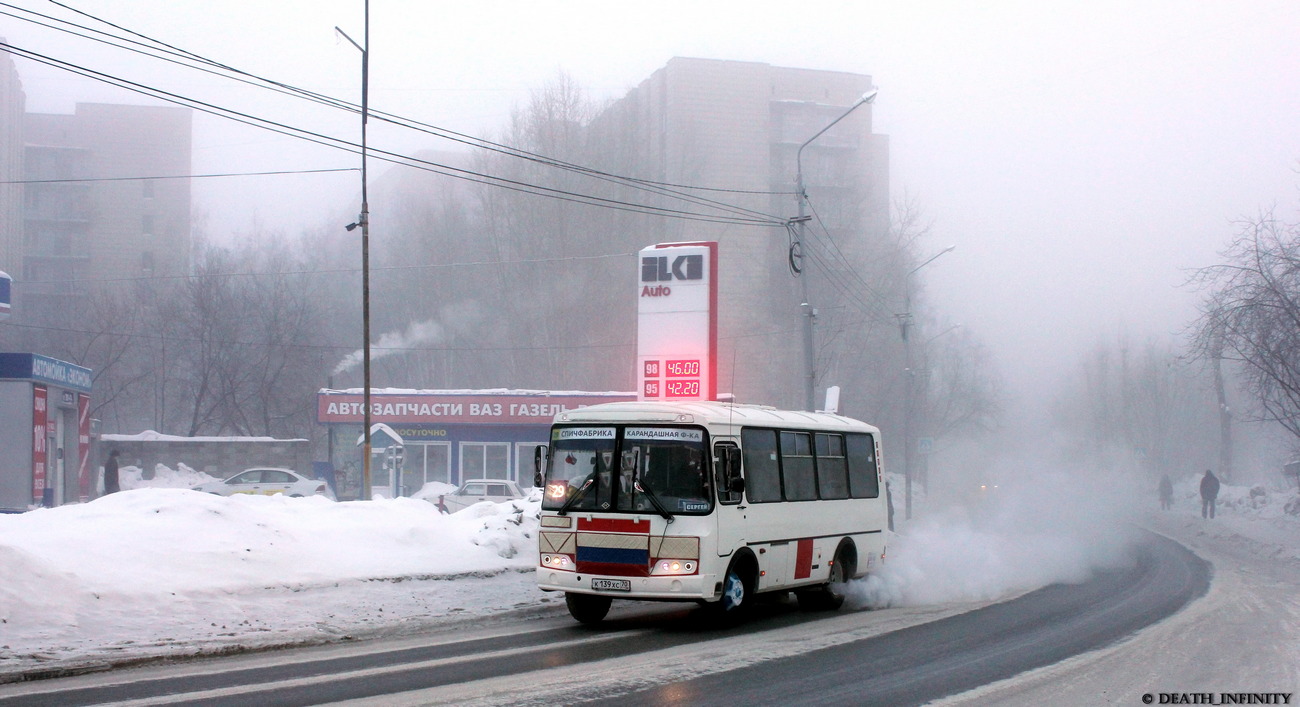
(163, 573)
(1243, 636)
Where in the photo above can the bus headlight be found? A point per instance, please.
(672, 567)
(558, 562)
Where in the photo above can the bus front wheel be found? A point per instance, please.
(587, 608)
(738, 588)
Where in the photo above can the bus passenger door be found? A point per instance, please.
(729, 481)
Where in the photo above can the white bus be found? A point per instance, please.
(707, 502)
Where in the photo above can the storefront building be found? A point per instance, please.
(448, 435)
(44, 431)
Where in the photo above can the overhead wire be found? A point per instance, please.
(832, 276)
(73, 180)
(660, 188)
(383, 155)
(354, 106)
(315, 347)
(375, 347)
(328, 271)
(880, 300)
(830, 273)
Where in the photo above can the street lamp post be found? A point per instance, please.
(364, 222)
(904, 326)
(923, 424)
(801, 196)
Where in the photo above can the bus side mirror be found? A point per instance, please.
(539, 462)
(736, 485)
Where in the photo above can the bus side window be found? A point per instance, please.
(726, 465)
(762, 467)
(863, 479)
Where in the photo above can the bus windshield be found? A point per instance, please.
(600, 468)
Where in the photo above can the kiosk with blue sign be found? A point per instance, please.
(45, 432)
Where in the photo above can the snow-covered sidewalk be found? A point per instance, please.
(161, 572)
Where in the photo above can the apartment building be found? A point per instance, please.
(738, 126)
(12, 107)
(107, 196)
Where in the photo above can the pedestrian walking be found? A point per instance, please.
(1209, 493)
(111, 484)
(1166, 493)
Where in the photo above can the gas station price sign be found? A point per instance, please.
(677, 322)
(682, 369)
(673, 379)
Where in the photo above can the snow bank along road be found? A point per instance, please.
(660, 654)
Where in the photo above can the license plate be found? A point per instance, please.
(612, 585)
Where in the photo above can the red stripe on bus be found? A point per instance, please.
(803, 559)
(614, 525)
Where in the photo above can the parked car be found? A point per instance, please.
(268, 481)
(478, 490)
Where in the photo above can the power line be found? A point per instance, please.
(315, 347)
(395, 349)
(179, 176)
(329, 271)
(880, 300)
(395, 158)
(660, 188)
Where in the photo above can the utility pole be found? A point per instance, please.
(809, 313)
(904, 327)
(364, 222)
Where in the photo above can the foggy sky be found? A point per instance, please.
(1081, 158)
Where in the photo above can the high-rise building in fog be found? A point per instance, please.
(74, 208)
(737, 125)
(87, 214)
(12, 107)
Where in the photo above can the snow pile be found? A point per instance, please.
(155, 565)
(1265, 516)
(432, 490)
(1042, 530)
(182, 477)
(1261, 501)
(1292, 507)
(152, 436)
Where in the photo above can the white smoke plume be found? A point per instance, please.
(1036, 530)
(395, 342)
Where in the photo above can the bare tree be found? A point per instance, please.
(236, 346)
(1144, 403)
(100, 333)
(1251, 316)
(962, 392)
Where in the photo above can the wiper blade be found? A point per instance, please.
(654, 500)
(575, 498)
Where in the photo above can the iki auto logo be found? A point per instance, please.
(657, 269)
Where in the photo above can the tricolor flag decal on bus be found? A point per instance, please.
(614, 546)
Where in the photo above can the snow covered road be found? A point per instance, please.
(1243, 636)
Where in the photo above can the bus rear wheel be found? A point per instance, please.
(829, 596)
(587, 608)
